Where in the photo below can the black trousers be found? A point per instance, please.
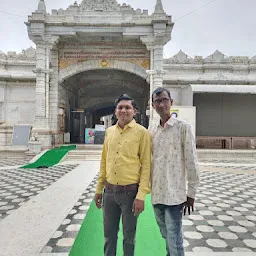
(115, 205)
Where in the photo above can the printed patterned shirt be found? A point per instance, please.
(175, 171)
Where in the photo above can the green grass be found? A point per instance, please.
(90, 239)
(51, 157)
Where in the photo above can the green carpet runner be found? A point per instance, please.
(90, 239)
(51, 157)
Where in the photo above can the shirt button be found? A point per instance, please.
(115, 172)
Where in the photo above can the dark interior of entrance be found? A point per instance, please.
(92, 95)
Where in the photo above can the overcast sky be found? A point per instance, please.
(226, 25)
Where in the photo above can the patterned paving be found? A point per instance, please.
(231, 166)
(224, 220)
(230, 161)
(17, 186)
(64, 237)
(12, 162)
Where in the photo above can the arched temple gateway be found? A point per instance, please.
(88, 55)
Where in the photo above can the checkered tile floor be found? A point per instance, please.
(12, 162)
(224, 220)
(225, 216)
(230, 161)
(64, 237)
(17, 186)
(231, 166)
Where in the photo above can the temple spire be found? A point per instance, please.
(159, 12)
(159, 7)
(41, 6)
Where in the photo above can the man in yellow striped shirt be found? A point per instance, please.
(124, 176)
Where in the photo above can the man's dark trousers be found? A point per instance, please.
(117, 203)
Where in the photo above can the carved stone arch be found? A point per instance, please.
(98, 64)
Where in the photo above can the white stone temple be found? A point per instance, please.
(90, 53)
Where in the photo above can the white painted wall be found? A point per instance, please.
(19, 105)
(187, 96)
(187, 114)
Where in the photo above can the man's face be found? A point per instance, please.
(162, 103)
(125, 111)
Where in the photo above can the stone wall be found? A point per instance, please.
(18, 81)
(17, 91)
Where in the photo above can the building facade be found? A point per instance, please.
(89, 54)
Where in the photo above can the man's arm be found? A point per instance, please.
(102, 175)
(191, 163)
(145, 160)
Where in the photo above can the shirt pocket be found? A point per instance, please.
(131, 148)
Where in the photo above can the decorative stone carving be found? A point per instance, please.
(221, 77)
(148, 41)
(217, 56)
(35, 146)
(100, 5)
(159, 7)
(11, 55)
(239, 59)
(2, 55)
(253, 60)
(159, 13)
(41, 7)
(61, 12)
(29, 53)
(181, 57)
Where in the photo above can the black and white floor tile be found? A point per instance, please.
(65, 236)
(12, 162)
(17, 186)
(225, 216)
(224, 220)
(229, 161)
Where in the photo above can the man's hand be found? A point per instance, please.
(189, 205)
(98, 200)
(138, 207)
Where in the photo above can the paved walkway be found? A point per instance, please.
(26, 230)
(41, 211)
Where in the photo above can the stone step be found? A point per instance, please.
(82, 154)
(89, 147)
(88, 152)
(85, 152)
(81, 158)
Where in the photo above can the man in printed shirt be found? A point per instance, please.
(175, 173)
(124, 175)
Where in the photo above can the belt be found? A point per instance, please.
(130, 187)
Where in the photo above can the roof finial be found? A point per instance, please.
(159, 13)
(159, 7)
(41, 6)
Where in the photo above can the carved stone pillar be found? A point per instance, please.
(158, 78)
(41, 120)
(47, 104)
(54, 92)
(158, 65)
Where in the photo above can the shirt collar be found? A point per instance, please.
(131, 124)
(171, 122)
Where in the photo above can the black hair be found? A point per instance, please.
(160, 90)
(125, 97)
